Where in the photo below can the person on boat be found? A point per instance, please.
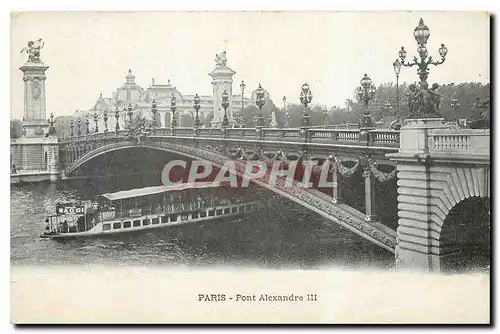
(65, 227)
(81, 224)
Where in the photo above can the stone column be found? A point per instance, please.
(369, 195)
(336, 188)
(53, 159)
(416, 236)
(162, 118)
(222, 80)
(35, 118)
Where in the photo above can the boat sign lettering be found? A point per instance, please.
(108, 215)
(135, 212)
(69, 209)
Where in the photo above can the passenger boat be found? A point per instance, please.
(150, 208)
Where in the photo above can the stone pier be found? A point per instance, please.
(438, 167)
(35, 156)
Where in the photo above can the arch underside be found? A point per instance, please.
(315, 201)
(426, 197)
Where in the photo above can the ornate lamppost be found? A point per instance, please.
(197, 106)
(260, 100)
(154, 110)
(225, 105)
(426, 106)
(366, 92)
(326, 113)
(388, 106)
(95, 121)
(287, 115)
(71, 126)
(242, 87)
(87, 125)
(52, 129)
(117, 116)
(79, 124)
(454, 101)
(305, 98)
(173, 108)
(287, 119)
(105, 118)
(129, 113)
(397, 70)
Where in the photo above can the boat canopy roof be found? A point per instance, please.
(157, 190)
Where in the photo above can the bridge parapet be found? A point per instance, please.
(383, 138)
(463, 141)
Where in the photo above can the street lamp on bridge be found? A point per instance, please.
(71, 126)
(427, 106)
(117, 116)
(196, 106)
(50, 120)
(225, 105)
(397, 70)
(105, 117)
(242, 87)
(130, 115)
(79, 124)
(87, 125)
(388, 106)
(260, 100)
(173, 108)
(366, 92)
(154, 110)
(454, 101)
(95, 121)
(327, 118)
(287, 115)
(305, 98)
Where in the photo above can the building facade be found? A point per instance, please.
(141, 99)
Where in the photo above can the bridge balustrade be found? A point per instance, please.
(236, 133)
(384, 138)
(464, 141)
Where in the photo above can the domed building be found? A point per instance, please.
(130, 94)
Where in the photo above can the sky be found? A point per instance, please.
(91, 52)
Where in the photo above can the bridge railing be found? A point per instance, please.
(463, 141)
(384, 138)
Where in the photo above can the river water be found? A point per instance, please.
(283, 235)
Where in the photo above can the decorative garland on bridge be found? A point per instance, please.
(343, 170)
(379, 175)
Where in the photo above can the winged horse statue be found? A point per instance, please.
(33, 50)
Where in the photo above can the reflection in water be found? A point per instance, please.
(283, 235)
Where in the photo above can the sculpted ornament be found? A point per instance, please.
(424, 101)
(33, 50)
(35, 87)
(221, 59)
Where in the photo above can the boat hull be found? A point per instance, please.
(182, 219)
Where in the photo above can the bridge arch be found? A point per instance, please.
(426, 196)
(451, 186)
(310, 199)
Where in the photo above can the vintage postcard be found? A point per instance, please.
(250, 167)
